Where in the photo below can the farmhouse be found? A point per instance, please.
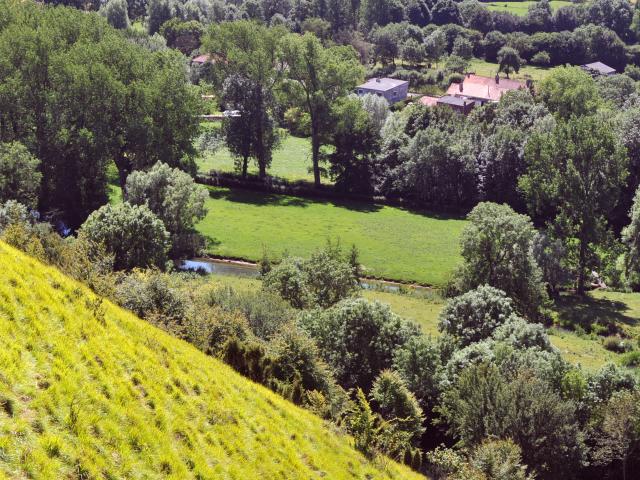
(390, 88)
(483, 89)
(597, 69)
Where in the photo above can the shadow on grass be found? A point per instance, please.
(251, 197)
(593, 314)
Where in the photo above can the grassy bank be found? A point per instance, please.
(87, 390)
(393, 242)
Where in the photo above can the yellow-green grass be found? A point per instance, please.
(291, 161)
(87, 390)
(488, 69)
(394, 243)
(521, 8)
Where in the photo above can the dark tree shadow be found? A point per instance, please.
(593, 314)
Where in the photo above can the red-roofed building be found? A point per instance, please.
(484, 89)
(428, 101)
(202, 59)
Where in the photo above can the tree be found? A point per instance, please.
(19, 175)
(184, 36)
(116, 13)
(90, 98)
(487, 403)
(631, 239)
(618, 436)
(158, 12)
(444, 12)
(377, 108)
(396, 404)
(435, 45)
(174, 197)
(496, 250)
(356, 142)
(250, 53)
(357, 338)
(380, 12)
(418, 363)
(509, 60)
(462, 47)
(133, 234)
(569, 91)
(413, 52)
(575, 173)
(317, 77)
(321, 280)
(475, 315)
(615, 15)
(499, 459)
(437, 168)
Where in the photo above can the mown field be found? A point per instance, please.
(394, 243)
(87, 390)
(521, 8)
(622, 310)
(488, 69)
(291, 161)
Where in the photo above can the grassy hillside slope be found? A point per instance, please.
(87, 390)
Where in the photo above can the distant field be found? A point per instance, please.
(291, 161)
(521, 8)
(488, 69)
(393, 242)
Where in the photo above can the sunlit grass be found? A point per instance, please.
(521, 8)
(87, 390)
(394, 243)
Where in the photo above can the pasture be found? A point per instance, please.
(521, 8)
(394, 243)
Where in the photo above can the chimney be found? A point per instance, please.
(497, 78)
(461, 86)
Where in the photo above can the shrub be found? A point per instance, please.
(631, 359)
(617, 344)
(541, 59)
(133, 234)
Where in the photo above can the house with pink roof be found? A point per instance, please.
(484, 89)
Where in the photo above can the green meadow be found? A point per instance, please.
(394, 243)
(291, 161)
(87, 390)
(521, 8)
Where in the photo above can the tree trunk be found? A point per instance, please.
(582, 260)
(315, 153)
(124, 168)
(245, 166)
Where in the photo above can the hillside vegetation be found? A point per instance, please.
(87, 390)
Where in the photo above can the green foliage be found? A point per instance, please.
(500, 460)
(398, 405)
(631, 359)
(570, 91)
(357, 338)
(89, 96)
(574, 176)
(509, 60)
(184, 36)
(116, 13)
(485, 402)
(361, 424)
(316, 77)
(19, 175)
(475, 315)
(418, 363)
(496, 248)
(133, 234)
(631, 238)
(322, 280)
(174, 197)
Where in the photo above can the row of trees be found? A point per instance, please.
(78, 95)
